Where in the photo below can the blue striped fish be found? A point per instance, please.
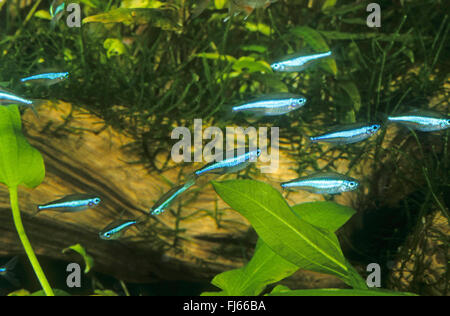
(116, 229)
(235, 163)
(48, 78)
(168, 198)
(294, 63)
(348, 134)
(272, 104)
(7, 98)
(323, 183)
(71, 203)
(421, 120)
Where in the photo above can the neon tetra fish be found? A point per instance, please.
(47, 78)
(421, 120)
(348, 134)
(323, 183)
(7, 98)
(168, 198)
(71, 203)
(232, 162)
(116, 229)
(294, 63)
(271, 105)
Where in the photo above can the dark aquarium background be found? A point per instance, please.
(138, 69)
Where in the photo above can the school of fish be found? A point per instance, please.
(423, 120)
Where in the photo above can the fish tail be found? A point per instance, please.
(35, 105)
(9, 275)
(33, 108)
(310, 140)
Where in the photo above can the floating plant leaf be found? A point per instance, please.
(20, 163)
(294, 239)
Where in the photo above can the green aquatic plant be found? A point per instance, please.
(20, 164)
(290, 238)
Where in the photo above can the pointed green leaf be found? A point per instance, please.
(20, 163)
(327, 215)
(294, 239)
(265, 267)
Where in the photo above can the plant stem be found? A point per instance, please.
(26, 243)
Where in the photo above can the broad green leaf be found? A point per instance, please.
(337, 292)
(164, 19)
(314, 39)
(20, 163)
(264, 268)
(355, 280)
(328, 215)
(294, 239)
(114, 47)
(88, 260)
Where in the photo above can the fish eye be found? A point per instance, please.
(352, 184)
(448, 122)
(97, 201)
(375, 127)
(276, 66)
